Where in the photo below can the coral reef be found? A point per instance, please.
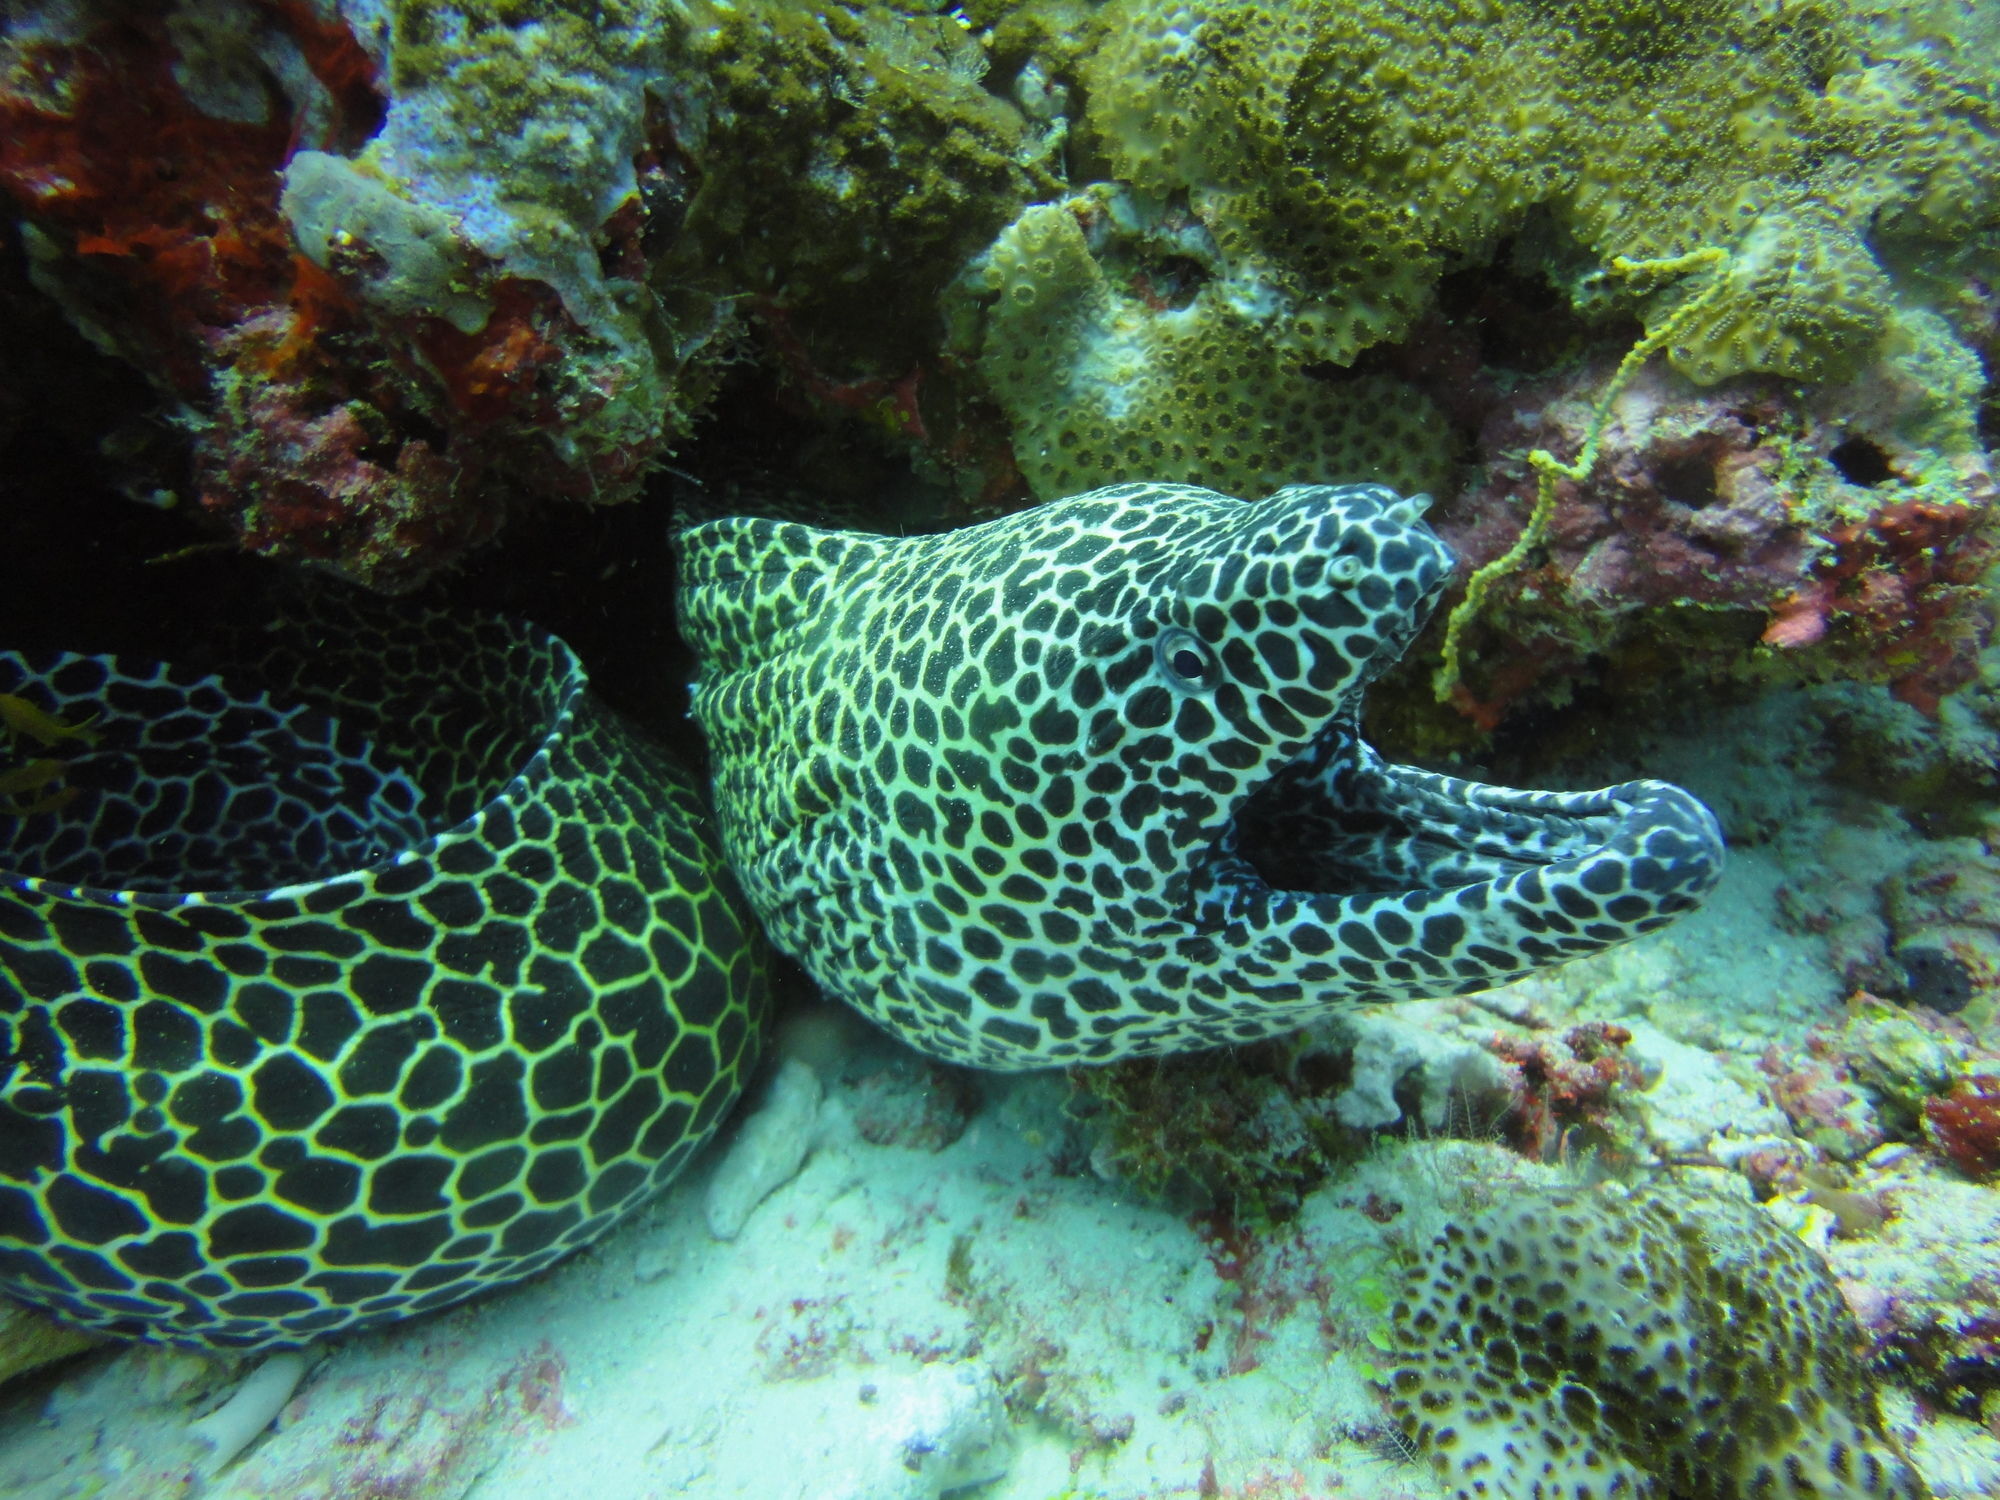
(1827, 1106)
(1565, 1089)
(1107, 368)
(1604, 1343)
(1925, 1284)
(1944, 911)
(1244, 1134)
(849, 163)
(1714, 536)
(1886, 1073)
(376, 355)
(445, 258)
(1345, 155)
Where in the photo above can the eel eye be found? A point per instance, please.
(1345, 570)
(1186, 660)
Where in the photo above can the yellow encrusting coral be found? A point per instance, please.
(1102, 380)
(1343, 156)
(854, 161)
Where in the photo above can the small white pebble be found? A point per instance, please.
(654, 1262)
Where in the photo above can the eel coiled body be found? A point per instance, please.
(1086, 782)
(336, 1000)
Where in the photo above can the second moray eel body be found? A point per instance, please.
(1086, 782)
(345, 998)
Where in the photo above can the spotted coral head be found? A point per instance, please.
(1086, 782)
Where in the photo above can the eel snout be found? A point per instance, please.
(1408, 881)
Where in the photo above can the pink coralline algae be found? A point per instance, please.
(1563, 1091)
(1965, 1124)
(1713, 535)
(1821, 1097)
(159, 229)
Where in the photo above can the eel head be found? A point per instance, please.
(1087, 782)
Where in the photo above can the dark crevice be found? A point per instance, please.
(1861, 461)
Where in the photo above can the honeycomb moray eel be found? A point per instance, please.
(1086, 782)
(394, 977)
(401, 970)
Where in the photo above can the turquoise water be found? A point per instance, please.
(989, 993)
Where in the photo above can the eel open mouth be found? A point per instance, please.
(1456, 880)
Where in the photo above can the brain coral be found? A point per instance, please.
(1344, 155)
(1591, 1344)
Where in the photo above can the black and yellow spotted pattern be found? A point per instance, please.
(1085, 782)
(332, 1003)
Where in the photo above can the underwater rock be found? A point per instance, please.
(376, 353)
(910, 1102)
(1904, 1057)
(1825, 1102)
(1689, 1102)
(1716, 536)
(1926, 1284)
(920, 1434)
(1944, 912)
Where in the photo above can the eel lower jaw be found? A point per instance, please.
(1341, 823)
